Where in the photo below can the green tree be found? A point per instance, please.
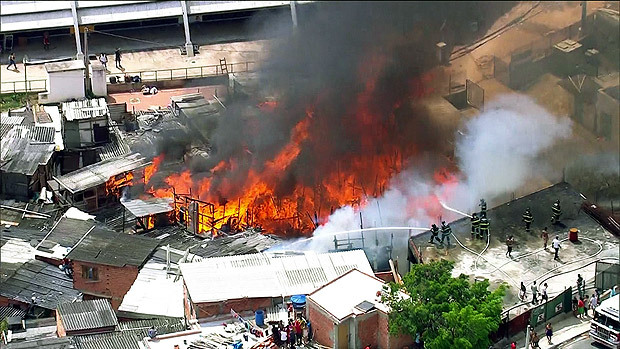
(448, 312)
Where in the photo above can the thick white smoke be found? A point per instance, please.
(499, 151)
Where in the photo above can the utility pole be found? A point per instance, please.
(86, 61)
(76, 29)
(584, 16)
(294, 14)
(25, 61)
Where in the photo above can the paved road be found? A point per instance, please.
(583, 342)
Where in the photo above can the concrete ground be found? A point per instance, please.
(529, 262)
(137, 101)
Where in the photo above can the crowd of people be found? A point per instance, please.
(298, 331)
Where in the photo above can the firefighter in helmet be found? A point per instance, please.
(445, 232)
(475, 225)
(527, 219)
(556, 212)
(484, 225)
(435, 233)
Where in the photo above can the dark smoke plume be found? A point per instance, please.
(354, 67)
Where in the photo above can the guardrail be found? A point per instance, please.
(190, 72)
(23, 86)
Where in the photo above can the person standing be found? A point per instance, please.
(556, 246)
(310, 334)
(446, 231)
(534, 289)
(581, 286)
(475, 225)
(527, 218)
(46, 41)
(545, 236)
(544, 296)
(117, 58)
(549, 332)
(103, 58)
(284, 337)
(509, 243)
(556, 211)
(593, 301)
(581, 307)
(434, 233)
(11, 61)
(535, 340)
(484, 225)
(483, 207)
(298, 332)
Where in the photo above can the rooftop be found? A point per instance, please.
(341, 296)
(112, 248)
(91, 314)
(142, 208)
(56, 67)
(264, 275)
(99, 173)
(85, 109)
(21, 156)
(47, 283)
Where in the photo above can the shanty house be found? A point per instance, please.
(27, 151)
(257, 281)
(348, 313)
(94, 186)
(86, 122)
(86, 317)
(106, 264)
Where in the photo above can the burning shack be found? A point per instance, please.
(99, 184)
(149, 213)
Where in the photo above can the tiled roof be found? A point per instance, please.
(89, 314)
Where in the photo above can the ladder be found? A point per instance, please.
(223, 66)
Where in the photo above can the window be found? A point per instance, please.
(90, 273)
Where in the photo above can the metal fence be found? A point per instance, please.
(23, 86)
(192, 72)
(606, 275)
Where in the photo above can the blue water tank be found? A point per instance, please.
(259, 316)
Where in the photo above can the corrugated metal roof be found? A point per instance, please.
(93, 175)
(263, 275)
(46, 282)
(89, 314)
(21, 156)
(11, 312)
(11, 120)
(113, 340)
(139, 328)
(116, 148)
(142, 208)
(85, 109)
(111, 248)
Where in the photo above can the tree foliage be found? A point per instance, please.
(448, 312)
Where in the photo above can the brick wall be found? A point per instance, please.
(392, 342)
(113, 282)
(60, 329)
(322, 324)
(367, 330)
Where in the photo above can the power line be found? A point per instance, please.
(129, 38)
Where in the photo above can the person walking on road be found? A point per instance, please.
(545, 236)
(549, 332)
(534, 289)
(509, 243)
(543, 291)
(11, 61)
(581, 286)
(556, 246)
(117, 58)
(522, 292)
(103, 58)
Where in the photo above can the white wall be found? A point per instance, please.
(64, 86)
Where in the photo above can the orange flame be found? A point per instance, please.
(150, 170)
(114, 185)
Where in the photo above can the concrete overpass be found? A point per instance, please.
(23, 16)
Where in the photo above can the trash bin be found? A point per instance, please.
(573, 234)
(259, 316)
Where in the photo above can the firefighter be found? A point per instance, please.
(557, 211)
(475, 225)
(445, 232)
(484, 226)
(527, 218)
(435, 233)
(483, 207)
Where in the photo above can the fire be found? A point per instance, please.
(150, 222)
(150, 170)
(114, 185)
(271, 195)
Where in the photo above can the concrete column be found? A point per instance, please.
(294, 14)
(76, 28)
(98, 79)
(188, 41)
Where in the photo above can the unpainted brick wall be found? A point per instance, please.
(113, 282)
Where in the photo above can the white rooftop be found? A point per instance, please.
(154, 293)
(341, 296)
(264, 275)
